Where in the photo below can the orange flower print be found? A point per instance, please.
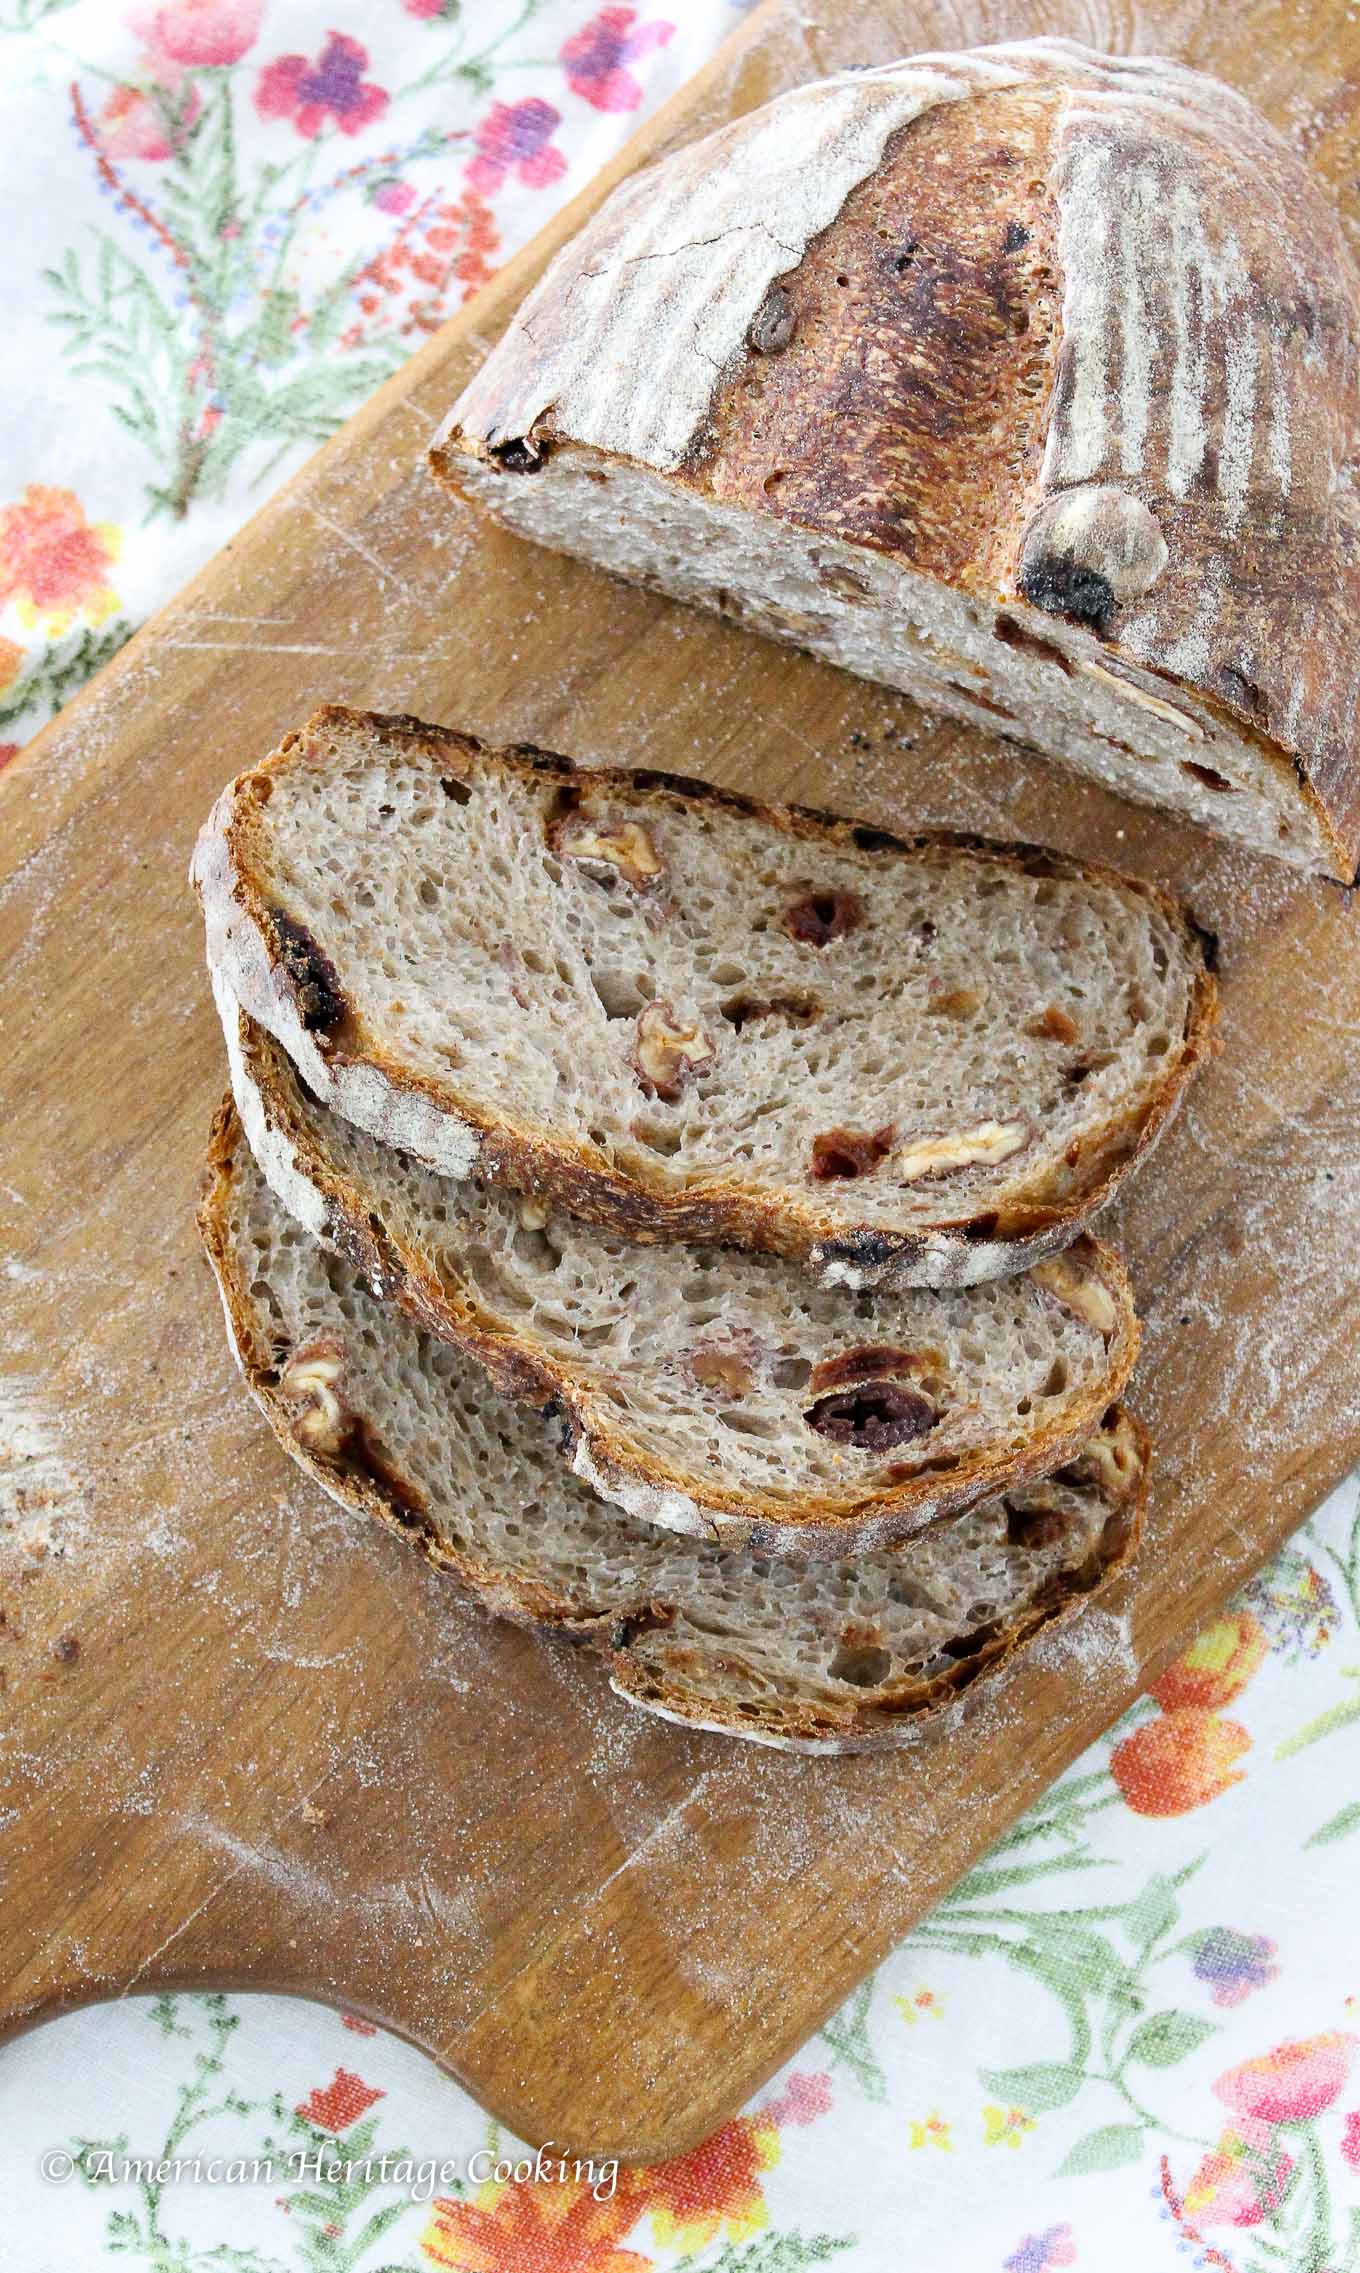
(523, 2227)
(1216, 1668)
(1292, 2083)
(54, 564)
(345, 2098)
(1182, 1761)
(715, 2188)
(11, 662)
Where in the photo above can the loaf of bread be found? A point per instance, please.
(683, 1015)
(710, 1390)
(1026, 380)
(823, 1657)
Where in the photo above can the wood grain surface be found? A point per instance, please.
(244, 1741)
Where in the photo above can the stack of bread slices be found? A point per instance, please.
(670, 1212)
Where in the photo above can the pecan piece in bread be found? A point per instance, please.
(669, 1051)
(985, 1145)
(1078, 1292)
(612, 851)
(312, 1379)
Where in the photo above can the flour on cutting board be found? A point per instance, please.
(39, 1496)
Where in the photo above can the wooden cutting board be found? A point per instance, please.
(245, 1741)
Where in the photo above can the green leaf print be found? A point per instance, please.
(1338, 1826)
(1044, 2085)
(1165, 2038)
(1324, 1724)
(848, 2040)
(1106, 2149)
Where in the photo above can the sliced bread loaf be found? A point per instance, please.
(1023, 379)
(710, 1390)
(825, 1657)
(689, 1016)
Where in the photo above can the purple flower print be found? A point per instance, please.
(1037, 2253)
(312, 95)
(1234, 1964)
(594, 57)
(517, 138)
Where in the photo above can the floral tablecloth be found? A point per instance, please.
(1128, 2039)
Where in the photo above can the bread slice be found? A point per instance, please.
(685, 1015)
(710, 1390)
(1022, 379)
(823, 1657)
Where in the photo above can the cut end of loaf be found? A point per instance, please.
(1006, 667)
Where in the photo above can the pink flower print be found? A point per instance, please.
(1038, 2252)
(133, 124)
(199, 34)
(1241, 2180)
(517, 138)
(392, 196)
(1350, 2140)
(594, 57)
(1291, 2083)
(432, 11)
(331, 90)
(803, 2100)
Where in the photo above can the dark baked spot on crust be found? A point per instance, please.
(870, 839)
(1062, 585)
(520, 456)
(867, 1251)
(310, 975)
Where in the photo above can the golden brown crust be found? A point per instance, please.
(909, 408)
(721, 1211)
(373, 1489)
(523, 1369)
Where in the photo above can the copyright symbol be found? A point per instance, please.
(58, 2167)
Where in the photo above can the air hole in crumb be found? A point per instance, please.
(862, 1664)
(657, 1139)
(1206, 774)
